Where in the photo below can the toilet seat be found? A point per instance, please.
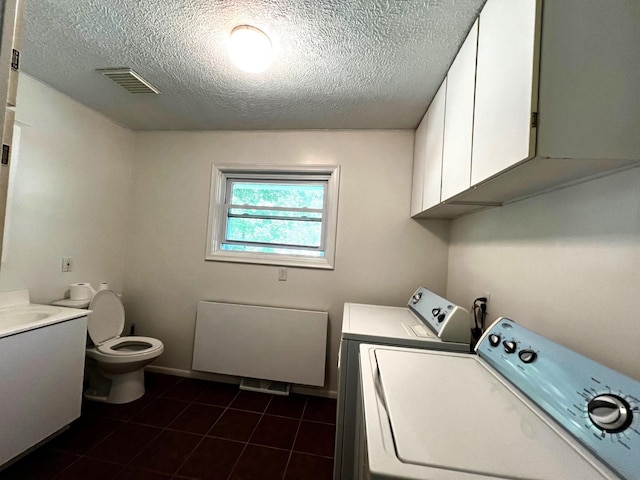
(106, 321)
(117, 346)
(105, 324)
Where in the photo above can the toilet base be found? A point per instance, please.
(119, 388)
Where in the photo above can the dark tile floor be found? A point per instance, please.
(191, 429)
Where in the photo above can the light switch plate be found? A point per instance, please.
(282, 274)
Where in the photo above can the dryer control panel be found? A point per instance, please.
(598, 406)
(450, 322)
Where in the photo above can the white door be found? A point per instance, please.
(417, 186)
(506, 86)
(433, 144)
(458, 122)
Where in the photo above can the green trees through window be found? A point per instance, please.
(275, 217)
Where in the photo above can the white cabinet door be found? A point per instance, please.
(41, 386)
(433, 145)
(506, 86)
(10, 33)
(458, 122)
(417, 186)
(427, 155)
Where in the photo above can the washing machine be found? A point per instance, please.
(427, 322)
(524, 407)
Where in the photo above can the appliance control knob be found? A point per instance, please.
(494, 339)
(416, 298)
(435, 312)
(610, 413)
(528, 356)
(441, 317)
(509, 346)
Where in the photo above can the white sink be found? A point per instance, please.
(18, 315)
(15, 318)
(26, 314)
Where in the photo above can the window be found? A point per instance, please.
(273, 215)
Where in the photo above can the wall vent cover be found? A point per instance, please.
(129, 80)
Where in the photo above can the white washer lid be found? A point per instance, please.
(107, 319)
(448, 411)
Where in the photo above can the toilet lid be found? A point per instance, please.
(107, 319)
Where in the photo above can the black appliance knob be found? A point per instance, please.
(435, 312)
(528, 356)
(494, 339)
(610, 413)
(416, 298)
(509, 346)
(441, 317)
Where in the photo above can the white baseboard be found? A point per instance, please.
(214, 377)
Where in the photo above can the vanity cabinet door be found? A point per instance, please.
(504, 132)
(458, 122)
(427, 154)
(41, 374)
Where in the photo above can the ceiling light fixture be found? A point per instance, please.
(250, 49)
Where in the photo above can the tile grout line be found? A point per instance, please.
(204, 435)
(130, 421)
(116, 417)
(80, 456)
(295, 437)
(162, 429)
(249, 439)
(57, 475)
(124, 423)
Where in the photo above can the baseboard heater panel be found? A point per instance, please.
(261, 343)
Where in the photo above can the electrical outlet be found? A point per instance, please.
(282, 274)
(67, 264)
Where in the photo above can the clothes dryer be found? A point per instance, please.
(428, 321)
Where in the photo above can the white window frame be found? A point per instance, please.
(220, 175)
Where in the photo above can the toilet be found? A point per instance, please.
(115, 364)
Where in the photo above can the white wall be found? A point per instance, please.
(381, 255)
(70, 195)
(565, 264)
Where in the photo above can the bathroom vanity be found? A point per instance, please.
(42, 351)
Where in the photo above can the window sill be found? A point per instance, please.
(265, 259)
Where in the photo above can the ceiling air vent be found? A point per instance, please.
(129, 80)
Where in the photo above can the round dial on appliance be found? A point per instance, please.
(494, 339)
(441, 317)
(416, 298)
(435, 312)
(509, 346)
(527, 356)
(610, 413)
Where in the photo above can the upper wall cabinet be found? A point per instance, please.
(427, 155)
(556, 100)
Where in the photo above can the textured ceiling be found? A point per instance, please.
(349, 64)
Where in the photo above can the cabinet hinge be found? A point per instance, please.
(6, 150)
(534, 119)
(15, 59)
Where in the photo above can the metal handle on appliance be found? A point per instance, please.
(609, 413)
